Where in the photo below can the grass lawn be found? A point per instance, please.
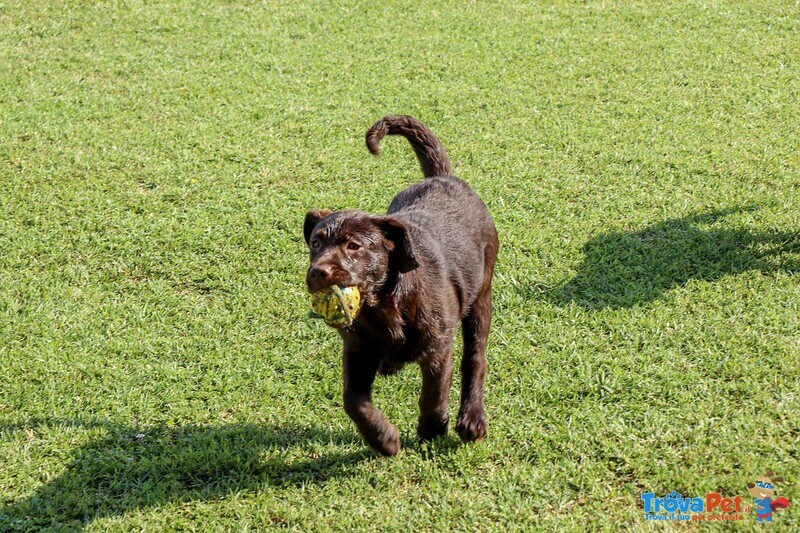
(158, 369)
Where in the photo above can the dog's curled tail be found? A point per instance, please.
(430, 152)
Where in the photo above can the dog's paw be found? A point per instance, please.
(431, 427)
(388, 442)
(472, 426)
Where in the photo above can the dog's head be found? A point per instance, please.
(352, 248)
(764, 487)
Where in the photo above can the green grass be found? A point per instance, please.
(158, 369)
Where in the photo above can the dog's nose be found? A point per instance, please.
(318, 277)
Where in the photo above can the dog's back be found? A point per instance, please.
(443, 213)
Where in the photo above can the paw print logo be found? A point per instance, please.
(763, 490)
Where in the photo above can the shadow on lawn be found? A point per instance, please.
(126, 470)
(622, 269)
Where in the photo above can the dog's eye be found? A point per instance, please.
(315, 244)
(353, 246)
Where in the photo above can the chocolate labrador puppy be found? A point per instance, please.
(421, 268)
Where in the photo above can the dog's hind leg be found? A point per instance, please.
(472, 423)
(434, 398)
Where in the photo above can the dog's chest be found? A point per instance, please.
(385, 336)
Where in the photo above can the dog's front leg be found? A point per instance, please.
(359, 374)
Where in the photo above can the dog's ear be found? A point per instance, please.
(312, 218)
(401, 245)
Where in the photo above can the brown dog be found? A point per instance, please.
(421, 269)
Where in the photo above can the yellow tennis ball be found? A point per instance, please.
(336, 305)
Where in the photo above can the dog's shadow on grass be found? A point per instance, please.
(129, 469)
(623, 269)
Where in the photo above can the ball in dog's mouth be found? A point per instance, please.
(338, 306)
